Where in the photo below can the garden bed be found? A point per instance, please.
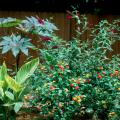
(31, 116)
(71, 80)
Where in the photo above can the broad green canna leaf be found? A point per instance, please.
(27, 70)
(2, 84)
(8, 104)
(1, 93)
(18, 106)
(13, 84)
(9, 95)
(3, 72)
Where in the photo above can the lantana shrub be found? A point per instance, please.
(76, 77)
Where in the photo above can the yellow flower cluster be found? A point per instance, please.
(77, 80)
(119, 88)
(78, 98)
(112, 114)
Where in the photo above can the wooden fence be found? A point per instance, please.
(66, 28)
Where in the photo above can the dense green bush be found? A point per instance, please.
(77, 78)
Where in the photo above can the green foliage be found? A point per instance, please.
(37, 26)
(26, 71)
(3, 72)
(18, 106)
(16, 43)
(12, 90)
(13, 84)
(9, 22)
(77, 77)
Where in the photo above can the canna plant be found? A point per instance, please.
(13, 89)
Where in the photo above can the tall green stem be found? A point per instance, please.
(17, 62)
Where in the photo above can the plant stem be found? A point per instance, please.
(17, 62)
(10, 114)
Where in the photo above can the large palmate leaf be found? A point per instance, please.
(16, 43)
(16, 87)
(37, 26)
(9, 22)
(26, 70)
